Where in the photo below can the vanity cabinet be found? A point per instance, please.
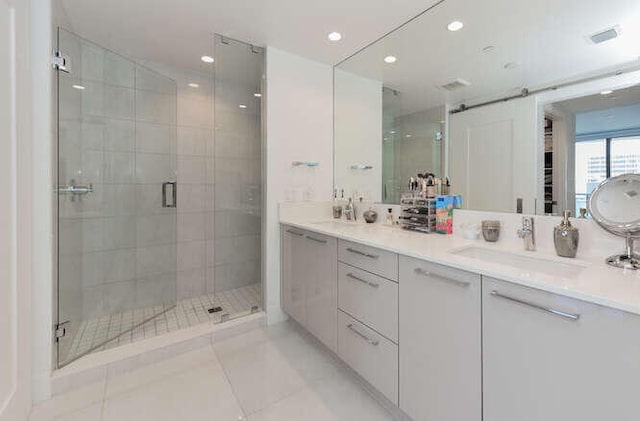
(451, 345)
(310, 290)
(549, 357)
(440, 350)
(294, 269)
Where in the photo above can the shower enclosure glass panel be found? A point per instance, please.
(116, 197)
(239, 80)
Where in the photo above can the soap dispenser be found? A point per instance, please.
(565, 237)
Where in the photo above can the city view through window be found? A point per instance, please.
(593, 165)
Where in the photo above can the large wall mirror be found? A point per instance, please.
(524, 106)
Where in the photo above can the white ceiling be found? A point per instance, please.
(546, 38)
(179, 31)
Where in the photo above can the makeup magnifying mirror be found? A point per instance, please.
(615, 206)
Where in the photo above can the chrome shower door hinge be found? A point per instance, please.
(60, 62)
(61, 330)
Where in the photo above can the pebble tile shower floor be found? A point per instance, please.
(190, 312)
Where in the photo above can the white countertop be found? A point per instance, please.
(596, 283)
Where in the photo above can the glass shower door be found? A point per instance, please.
(116, 198)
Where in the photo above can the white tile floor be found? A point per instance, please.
(92, 334)
(276, 373)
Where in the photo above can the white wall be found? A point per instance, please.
(358, 135)
(299, 128)
(19, 117)
(42, 308)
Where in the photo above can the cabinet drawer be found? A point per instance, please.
(371, 299)
(371, 259)
(370, 354)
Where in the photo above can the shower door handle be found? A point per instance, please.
(169, 194)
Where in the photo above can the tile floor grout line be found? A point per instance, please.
(245, 415)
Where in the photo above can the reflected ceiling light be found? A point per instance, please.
(456, 25)
(242, 106)
(390, 59)
(408, 136)
(258, 95)
(79, 87)
(193, 85)
(488, 49)
(606, 92)
(392, 132)
(207, 59)
(334, 36)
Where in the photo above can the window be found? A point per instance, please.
(597, 160)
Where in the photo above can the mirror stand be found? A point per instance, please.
(629, 260)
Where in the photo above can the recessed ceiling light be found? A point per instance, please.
(334, 36)
(193, 85)
(390, 59)
(488, 49)
(511, 65)
(79, 87)
(207, 59)
(258, 95)
(456, 25)
(606, 92)
(242, 106)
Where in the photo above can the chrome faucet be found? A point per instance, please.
(527, 233)
(350, 211)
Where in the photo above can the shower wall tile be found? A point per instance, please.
(155, 138)
(191, 226)
(191, 283)
(118, 135)
(194, 110)
(118, 102)
(118, 199)
(191, 198)
(119, 167)
(194, 122)
(118, 232)
(191, 169)
(153, 107)
(154, 260)
(118, 71)
(155, 229)
(191, 255)
(192, 140)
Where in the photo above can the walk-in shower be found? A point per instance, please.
(159, 209)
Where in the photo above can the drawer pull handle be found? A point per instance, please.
(363, 336)
(423, 272)
(299, 234)
(362, 253)
(550, 310)
(317, 240)
(371, 284)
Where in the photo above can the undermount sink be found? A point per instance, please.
(524, 263)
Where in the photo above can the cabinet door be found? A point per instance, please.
(548, 357)
(440, 345)
(321, 270)
(294, 276)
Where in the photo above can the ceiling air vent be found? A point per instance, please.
(604, 36)
(456, 84)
